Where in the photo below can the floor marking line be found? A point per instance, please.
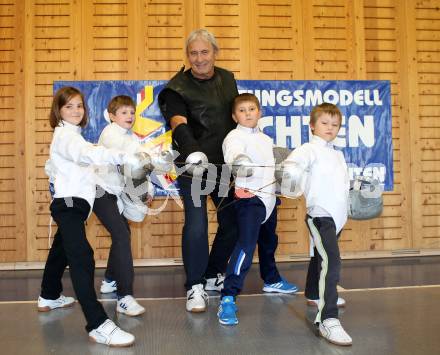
(105, 300)
(388, 288)
(273, 294)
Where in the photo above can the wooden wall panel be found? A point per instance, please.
(167, 23)
(327, 38)
(47, 40)
(7, 126)
(427, 134)
(12, 162)
(105, 44)
(52, 53)
(382, 62)
(228, 20)
(276, 40)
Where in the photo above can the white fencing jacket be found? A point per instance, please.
(328, 182)
(258, 147)
(71, 163)
(116, 137)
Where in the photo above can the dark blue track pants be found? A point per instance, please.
(250, 213)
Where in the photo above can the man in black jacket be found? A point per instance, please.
(197, 104)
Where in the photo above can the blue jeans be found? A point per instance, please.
(197, 261)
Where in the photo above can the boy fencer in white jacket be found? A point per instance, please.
(250, 152)
(324, 175)
(116, 205)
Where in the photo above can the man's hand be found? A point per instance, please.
(196, 163)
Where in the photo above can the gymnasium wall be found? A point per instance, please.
(46, 40)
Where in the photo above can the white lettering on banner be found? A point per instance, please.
(264, 122)
(298, 96)
(284, 131)
(284, 98)
(306, 122)
(313, 98)
(364, 131)
(331, 96)
(340, 140)
(358, 130)
(267, 98)
(374, 171)
(343, 97)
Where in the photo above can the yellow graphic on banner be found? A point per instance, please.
(159, 144)
(163, 142)
(144, 126)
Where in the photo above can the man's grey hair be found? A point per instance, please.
(202, 34)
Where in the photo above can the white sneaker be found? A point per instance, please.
(110, 334)
(215, 283)
(340, 303)
(196, 299)
(108, 287)
(45, 305)
(331, 329)
(129, 306)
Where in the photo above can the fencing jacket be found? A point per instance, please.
(117, 137)
(258, 147)
(328, 182)
(71, 159)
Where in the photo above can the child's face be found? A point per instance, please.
(326, 127)
(247, 114)
(123, 117)
(73, 110)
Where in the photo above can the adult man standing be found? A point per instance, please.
(196, 104)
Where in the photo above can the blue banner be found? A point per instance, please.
(365, 135)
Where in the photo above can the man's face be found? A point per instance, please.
(201, 56)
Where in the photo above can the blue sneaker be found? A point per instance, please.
(282, 286)
(227, 311)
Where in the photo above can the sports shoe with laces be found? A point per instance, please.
(196, 299)
(110, 334)
(108, 286)
(314, 303)
(331, 329)
(227, 311)
(282, 286)
(129, 306)
(45, 305)
(215, 283)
